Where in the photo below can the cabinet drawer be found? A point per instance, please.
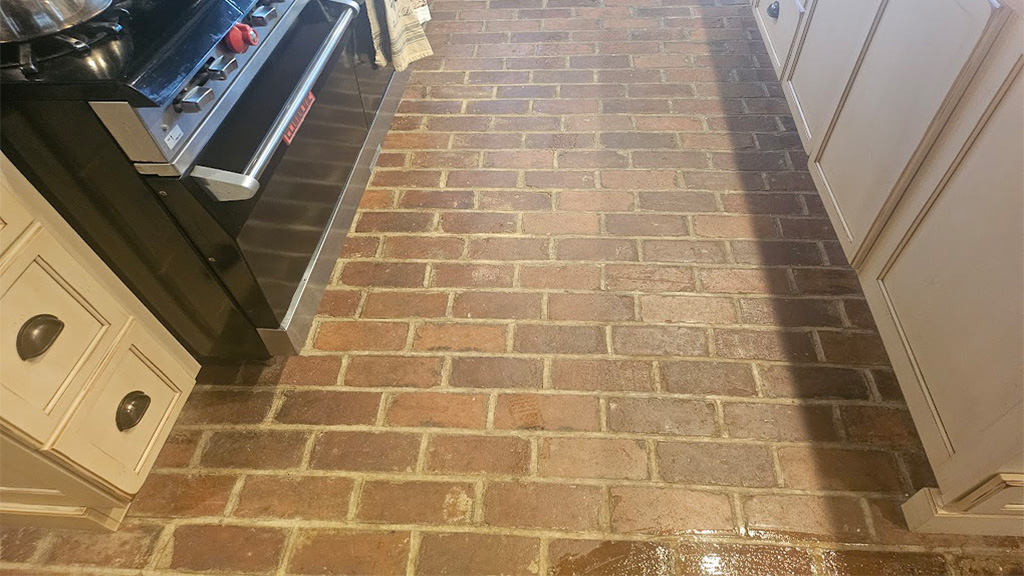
(14, 218)
(43, 279)
(778, 21)
(122, 452)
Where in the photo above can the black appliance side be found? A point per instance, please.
(67, 154)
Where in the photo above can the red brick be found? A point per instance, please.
(669, 510)
(19, 544)
(393, 371)
(416, 502)
(460, 337)
(360, 247)
(735, 226)
(165, 495)
(691, 558)
(403, 178)
(662, 416)
(709, 378)
(645, 225)
(328, 407)
(790, 312)
(592, 458)
(879, 425)
(630, 375)
(394, 222)
(306, 497)
(547, 412)
(787, 381)
(435, 409)
(774, 516)
(405, 305)
(689, 251)
(382, 274)
(226, 407)
(776, 252)
(508, 248)
(595, 249)
(560, 223)
(365, 451)
(745, 281)
(638, 140)
(498, 372)
(482, 179)
(451, 274)
(559, 339)
(422, 247)
(478, 222)
(361, 335)
(853, 348)
(339, 303)
(593, 307)
(553, 506)
(449, 554)
(688, 309)
(525, 159)
(807, 468)
(559, 179)
(638, 179)
(226, 548)
(514, 200)
(449, 199)
(262, 449)
(832, 281)
(350, 553)
(783, 204)
(575, 557)
(130, 547)
(678, 201)
(780, 422)
(785, 345)
(569, 277)
(659, 341)
(177, 452)
(478, 455)
(497, 305)
(715, 463)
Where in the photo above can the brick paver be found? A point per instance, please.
(591, 319)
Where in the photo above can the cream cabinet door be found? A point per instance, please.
(946, 280)
(44, 280)
(915, 62)
(823, 61)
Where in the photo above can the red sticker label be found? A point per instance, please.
(299, 117)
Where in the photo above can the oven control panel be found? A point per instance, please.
(222, 78)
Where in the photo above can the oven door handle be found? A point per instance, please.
(227, 186)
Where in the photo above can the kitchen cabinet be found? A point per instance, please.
(912, 68)
(916, 140)
(90, 382)
(823, 61)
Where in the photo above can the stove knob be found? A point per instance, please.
(263, 15)
(222, 66)
(240, 37)
(195, 99)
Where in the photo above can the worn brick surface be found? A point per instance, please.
(591, 318)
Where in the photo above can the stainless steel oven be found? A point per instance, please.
(265, 198)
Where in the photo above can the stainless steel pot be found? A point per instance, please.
(26, 19)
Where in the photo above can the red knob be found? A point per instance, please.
(240, 37)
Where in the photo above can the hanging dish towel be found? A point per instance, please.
(398, 36)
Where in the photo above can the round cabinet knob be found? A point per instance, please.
(240, 37)
(773, 9)
(131, 410)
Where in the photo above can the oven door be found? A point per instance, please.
(267, 195)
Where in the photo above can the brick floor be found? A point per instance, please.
(592, 319)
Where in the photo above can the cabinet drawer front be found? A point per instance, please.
(779, 30)
(44, 279)
(26, 477)
(93, 437)
(14, 218)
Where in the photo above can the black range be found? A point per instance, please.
(213, 152)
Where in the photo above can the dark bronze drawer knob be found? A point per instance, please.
(131, 410)
(37, 334)
(773, 9)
